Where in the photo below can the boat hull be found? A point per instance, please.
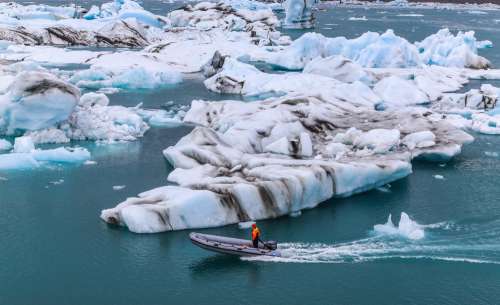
(228, 245)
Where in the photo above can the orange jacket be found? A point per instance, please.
(255, 233)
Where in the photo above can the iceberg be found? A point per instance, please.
(251, 161)
(387, 50)
(94, 119)
(298, 14)
(36, 100)
(446, 49)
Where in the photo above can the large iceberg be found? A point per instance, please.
(270, 158)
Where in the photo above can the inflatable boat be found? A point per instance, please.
(234, 246)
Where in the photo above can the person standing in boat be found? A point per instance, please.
(255, 236)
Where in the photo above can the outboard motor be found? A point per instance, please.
(271, 244)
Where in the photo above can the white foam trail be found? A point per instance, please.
(477, 244)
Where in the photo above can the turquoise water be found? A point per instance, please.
(56, 250)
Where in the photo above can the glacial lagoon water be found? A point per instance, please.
(55, 249)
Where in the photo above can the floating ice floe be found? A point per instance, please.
(228, 173)
(11, 11)
(94, 119)
(448, 50)
(25, 156)
(222, 16)
(126, 70)
(121, 23)
(372, 50)
(439, 177)
(49, 110)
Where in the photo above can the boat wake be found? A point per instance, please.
(445, 241)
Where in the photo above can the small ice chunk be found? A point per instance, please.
(3, 178)
(23, 145)
(439, 177)
(362, 18)
(245, 224)
(90, 162)
(407, 228)
(118, 187)
(384, 189)
(295, 213)
(57, 182)
(493, 154)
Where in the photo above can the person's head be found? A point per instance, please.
(254, 226)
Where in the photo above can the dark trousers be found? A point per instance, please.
(255, 243)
